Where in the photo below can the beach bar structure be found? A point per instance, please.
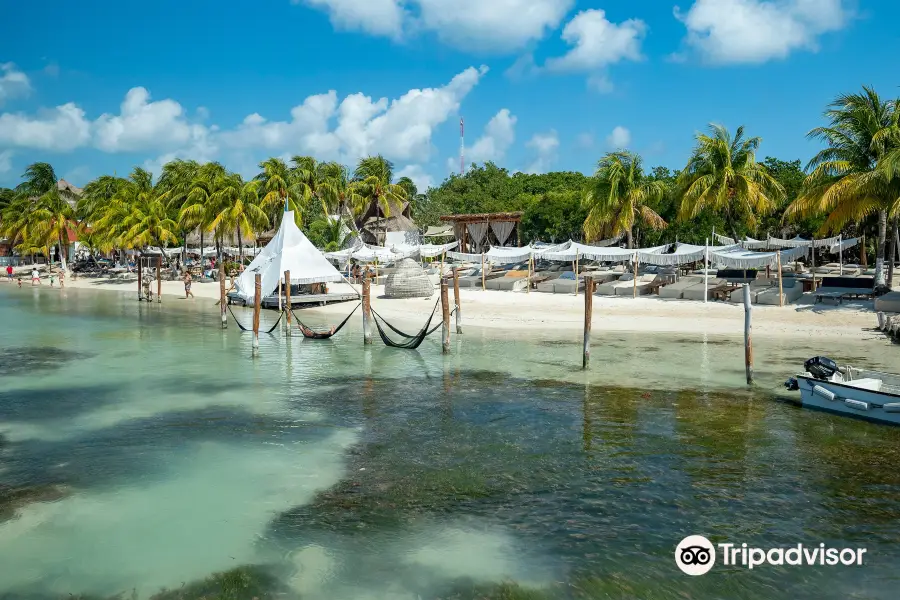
(477, 232)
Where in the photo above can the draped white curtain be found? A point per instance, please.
(502, 229)
(478, 233)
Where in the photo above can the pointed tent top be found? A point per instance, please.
(289, 250)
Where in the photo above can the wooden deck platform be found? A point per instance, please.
(299, 300)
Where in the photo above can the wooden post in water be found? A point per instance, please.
(576, 271)
(140, 281)
(456, 300)
(222, 294)
(367, 309)
(257, 303)
(780, 283)
(287, 300)
(445, 312)
(159, 279)
(530, 264)
(748, 342)
(588, 316)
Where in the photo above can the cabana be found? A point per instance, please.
(478, 231)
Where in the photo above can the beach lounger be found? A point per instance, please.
(756, 287)
(511, 281)
(841, 288)
(699, 292)
(890, 302)
(792, 290)
(676, 290)
(609, 288)
(474, 280)
(643, 286)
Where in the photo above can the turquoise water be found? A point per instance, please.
(144, 448)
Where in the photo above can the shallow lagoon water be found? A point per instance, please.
(157, 452)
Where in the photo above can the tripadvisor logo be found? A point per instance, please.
(696, 555)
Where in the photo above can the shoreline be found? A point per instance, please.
(520, 312)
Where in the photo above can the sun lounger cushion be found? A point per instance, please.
(676, 290)
(790, 293)
(567, 286)
(890, 302)
(698, 292)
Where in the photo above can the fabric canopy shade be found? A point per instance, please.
(288, 250)
(684, 254)
(740, 258)
(834, 244)
(613, 254)
(369, 253)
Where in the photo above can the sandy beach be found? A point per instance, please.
(515, 311)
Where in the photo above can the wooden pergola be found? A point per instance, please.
(461, 229)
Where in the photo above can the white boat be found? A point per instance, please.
(859, 393)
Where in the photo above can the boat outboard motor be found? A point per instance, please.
(821, 367)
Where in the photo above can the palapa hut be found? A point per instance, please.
(408, 280)
(396, 228)
(476, 232)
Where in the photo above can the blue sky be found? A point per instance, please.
(542, 84)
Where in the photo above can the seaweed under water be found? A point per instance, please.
(28, 359)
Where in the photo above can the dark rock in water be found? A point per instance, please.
(14, 498)
(507, 590)
(249, 582)
(18, 361)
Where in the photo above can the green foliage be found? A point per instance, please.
(553, 217)
(250, 582)
(329, 234)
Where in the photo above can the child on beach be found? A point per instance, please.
(35, 277)
(52, 279)
(187, 285)
(20, 281)
(9, 273)
(62, 279)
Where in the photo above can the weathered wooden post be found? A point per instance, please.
(748, 342)
(367, 309)
(159, 278)
(257, 302)
(445, 312)
(780, 283)
(576, 271)
(222, 295)
(456, 300)
(634, 285)
(287, 300)
(588, 316)
(530, 265)
(140, 281)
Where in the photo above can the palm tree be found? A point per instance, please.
(47, 212)
(332, 234)
(236, 206)
(620, 194)
(722, 175)
(197, 207)
(53, 216)
(373, 187)
(844, 183)
(147, 221)
(281, 190)
(177, 178)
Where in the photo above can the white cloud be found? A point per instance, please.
(5, 161)
(62, 128)
(755, 31)
(585, 141)
(419, 176)
(619, 139)
(544, 146)
(13, 82)
(378, 17)
(143, 125)
(486, 25)
(499, 134)
(598, 42)
(491, 24)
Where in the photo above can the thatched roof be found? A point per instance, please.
(67, 188)
(483, 217)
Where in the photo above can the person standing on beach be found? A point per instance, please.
(187, 285)
(62, 279)
(9, 273)
(35, 276)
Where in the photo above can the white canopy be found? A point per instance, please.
(684, 254)
(740, 258)
(288, 250)
(613, 254)
(834, 244)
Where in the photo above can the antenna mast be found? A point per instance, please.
(462, 148)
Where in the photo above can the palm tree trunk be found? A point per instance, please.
(240, 246)
(201, 247)
(879, 257)
(629, 238)
(892, 253)
(63, 251)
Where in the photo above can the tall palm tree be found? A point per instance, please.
(619, 195)
(236, 207)
(844, 183)
(281, 190)
(198, 206)
(374, 188)
(177, 178)
(148, 221)
(50, 212)
(337, 192)
(723, 175)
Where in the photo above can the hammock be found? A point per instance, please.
(242, 328)
(412, 341)
(321, 334)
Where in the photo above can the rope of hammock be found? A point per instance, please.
(242, 328)
(412, 341)
(319, 334)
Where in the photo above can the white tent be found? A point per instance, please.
(290, 251)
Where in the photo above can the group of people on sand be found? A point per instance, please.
(36, 277)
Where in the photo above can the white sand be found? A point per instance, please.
(516, 311)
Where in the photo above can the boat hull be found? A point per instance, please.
(848, 400)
